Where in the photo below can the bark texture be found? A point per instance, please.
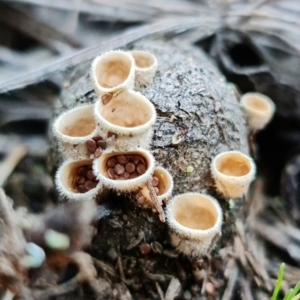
(198, 117)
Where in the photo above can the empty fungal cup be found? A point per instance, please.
(259, 110)
(113, 72)
(73, 129)
(195, 221)
(76, 180)
(162, 182)
(145, 67)
(233, 172)
(130, 117)
(124, 171)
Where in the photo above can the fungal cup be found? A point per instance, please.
(113, 72)
(75, 180)
(259, 110)
(162, 183)
(233, 172)
(124, 171)
(145, 67)
(195, 221)
(130, 117)
(73, 129)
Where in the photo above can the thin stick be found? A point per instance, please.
(159, 291)
(11, 162)
(155, 201)
(231, 284)
(120, 266)
(8, 295)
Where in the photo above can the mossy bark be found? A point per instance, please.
(198, 117)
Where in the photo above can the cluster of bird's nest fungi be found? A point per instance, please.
(106, 145)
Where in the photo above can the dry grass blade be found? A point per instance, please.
(231, 283)
(105, 12)
(59, 290)
(40, 74)
(106, 268)
(43, 33)
(8, 165)
(173, 289)
(132, 10)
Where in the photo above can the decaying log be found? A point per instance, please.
(198, 117)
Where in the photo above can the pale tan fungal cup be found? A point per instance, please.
(75, 180)
(259, 110)
(145, 67)
(195, 221)
(163, 184)
(113, 72)
(130, 117)
(124, 171)
(233, 172)
(73, 129)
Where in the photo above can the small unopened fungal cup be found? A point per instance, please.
(233, 172)
(195, 222)
(124, 171)
(129, 117)
(113, 72)
(145, 67)
(76, 180)
(74, 129)
(259, 110)
(162, 182)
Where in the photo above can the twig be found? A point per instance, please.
(231, 284)
(11, 162)
(59, 290)
(240, 252)
(159, 291)
(257, 270)
(204, 282)
(155, 201)
(120, 266)
(246, 290)
(104, 267)
(8, 295)
(173, 289)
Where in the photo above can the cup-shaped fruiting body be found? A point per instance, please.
(258, 108)
(233, 172)
(162, 182)
(76, 180)
(124, 171)
(77, 133)
(129, 117)
(145, 67)
(195, 221)
(113, 72)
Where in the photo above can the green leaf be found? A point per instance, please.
(295, 291)
(279, 282)
(289, 295)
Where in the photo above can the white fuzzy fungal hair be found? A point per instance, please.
(259, 110)
(113, 72)
(233, 172)
(195, 221)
